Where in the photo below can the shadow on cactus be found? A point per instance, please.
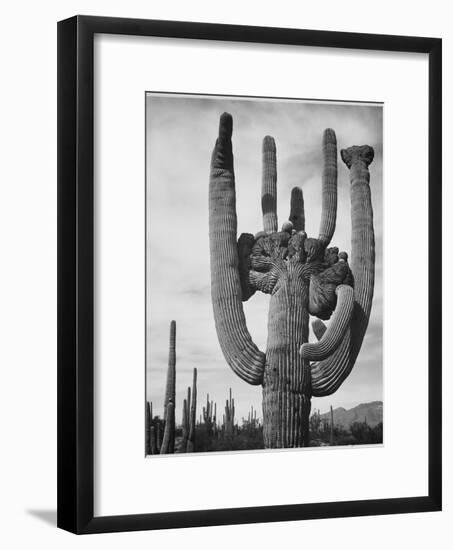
(303, 275)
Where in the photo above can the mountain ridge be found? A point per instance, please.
(371, 412)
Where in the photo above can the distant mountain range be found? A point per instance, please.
(371, 412)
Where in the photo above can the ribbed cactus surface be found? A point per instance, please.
(192, 415)
(246, 360)
(303, 278)
(208, 416)
(331, 425)
(185, 424)
(171, 371)
(148, 420)
(168, 443)
(297, 211)
(153, 441)
(329, 187)
(329, 374)
(229, 416)
(269, 185)
(333, 336)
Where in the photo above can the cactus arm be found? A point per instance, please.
(328, 375)
(242, 355)
(297, 212)
(319, 328)
(357, 159)
(269, 186)
(329, 187)
(338, 326)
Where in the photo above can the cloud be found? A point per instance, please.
(181, 132)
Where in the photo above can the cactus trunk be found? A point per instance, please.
(158, 437)
(153, 443)
(286, 384)
(171, 372)
(168, 443)
(148, 426)
(331, 426)
(193, 415)
(185, 425)
(228, 418)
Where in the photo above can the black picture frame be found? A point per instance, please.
(75, 274)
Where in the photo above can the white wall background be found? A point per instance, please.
(28, 273)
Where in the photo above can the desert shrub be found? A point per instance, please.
(240, 441)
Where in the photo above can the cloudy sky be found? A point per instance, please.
(181, 132)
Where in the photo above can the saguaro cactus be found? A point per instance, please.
(303, 277)
(229, 416)
(192, 406)
(331, 426)
(158, 436)
(148, 421)
(171, 371)
(185, 421)
(208, 416)
(151, 431)
(153, 445)
(189, 412)
(168, 442)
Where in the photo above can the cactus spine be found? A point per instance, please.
(302, 276)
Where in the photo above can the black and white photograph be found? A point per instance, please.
(225, 281)
(264, 294)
